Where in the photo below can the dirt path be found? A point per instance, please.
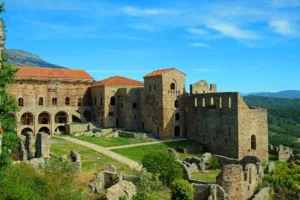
(105, 151)
(144, 144)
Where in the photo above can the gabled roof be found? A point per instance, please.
(119, 81)
(38, 72)
(161, 72)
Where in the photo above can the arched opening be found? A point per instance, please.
(101, 101)
(143, 126)
(229, 102)
(112, 101)
(67, 101)
(44, 130)
(177, 131)
(25, 131)
(61, 117)
(44, 118)
(117, 122)
(21, 101)
(78, 101)
(212, 101)
(176, 104)
(41, 101)
(172, 86)
(253, 142)
(177, 117)
(87, 115)
(220, 102)
(203, 102)
(54, 101)
(60, 129)
(27, 119)
(196, 102)
(150, 87)
(76, 119)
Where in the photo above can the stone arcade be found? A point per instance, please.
(52, 99)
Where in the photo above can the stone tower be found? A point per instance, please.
(163, 93)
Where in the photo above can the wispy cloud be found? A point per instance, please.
(284, 27)
(209, 70)
(233, 31)
(197, 31)
(134, 11)
(199, 44)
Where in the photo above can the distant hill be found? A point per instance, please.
(273, 103)
(288, 94)
(24, 58)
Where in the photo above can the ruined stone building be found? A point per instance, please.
(51, 98)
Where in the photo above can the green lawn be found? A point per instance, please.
(92, 161)
(137, 153)
(110, 142)
(207, 177)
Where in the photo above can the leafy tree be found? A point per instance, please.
(164, 165)
(8, 106)
(182, 190)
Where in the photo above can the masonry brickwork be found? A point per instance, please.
(160, 105)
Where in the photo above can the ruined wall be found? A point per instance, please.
(97, 98)
(253, 131)
(42, 145)
(211, 119)
(201, 87)
(32, 90)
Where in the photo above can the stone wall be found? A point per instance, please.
(202, 87)
(42, 145)
(209, 191)
(71, 128)
(262, 194)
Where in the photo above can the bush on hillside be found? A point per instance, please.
(164, 165)
(182, 190)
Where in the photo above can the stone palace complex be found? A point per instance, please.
(50, 99)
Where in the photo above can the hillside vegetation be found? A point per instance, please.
(283, 119)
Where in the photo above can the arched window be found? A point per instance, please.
(150, 87)
(177, 117)
(220, 102)
(253, 142)
(112, 101)
(212, 101)
(196, 102)
(101, 101)
(54, 101)
(27, 119)
(21, 101)
(229, 102)
(203, 102)
(176, 104)
(41, 101)
(78, 101)
(172, 86)
(67, 101)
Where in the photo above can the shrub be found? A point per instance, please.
(214, 163)
(164, 165)
(182, 190)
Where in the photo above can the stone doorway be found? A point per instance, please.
(26, 130)
(177, 131)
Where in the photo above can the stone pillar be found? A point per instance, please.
(28, 145)
(42, 145)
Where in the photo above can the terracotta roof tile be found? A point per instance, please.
(119, 81)
(160, 72)
(38, 72)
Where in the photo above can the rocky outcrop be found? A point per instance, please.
(262, 194)
(76, 158)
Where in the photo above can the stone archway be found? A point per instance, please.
(44, 130)
(60, 129)
(27, 119)
(25, 131)
(177, 131)
(61, 117)
(44, 118)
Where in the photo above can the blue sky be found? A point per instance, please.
(246, 46)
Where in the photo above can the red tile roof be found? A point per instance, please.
(119, 81)
(160, 72)
(38, 72)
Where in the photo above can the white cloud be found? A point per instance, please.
(133, 11)
(197, 31)
(199, 44)
(283, 27)
(231, 30)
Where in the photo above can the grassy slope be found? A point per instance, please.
(109, 142)
(137, 153)
(92, 161)
(208, 177)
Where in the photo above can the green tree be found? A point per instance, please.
(182, 190)
(164, 165)
(8, 106)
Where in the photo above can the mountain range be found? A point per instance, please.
(287, 94)
(23, 58)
